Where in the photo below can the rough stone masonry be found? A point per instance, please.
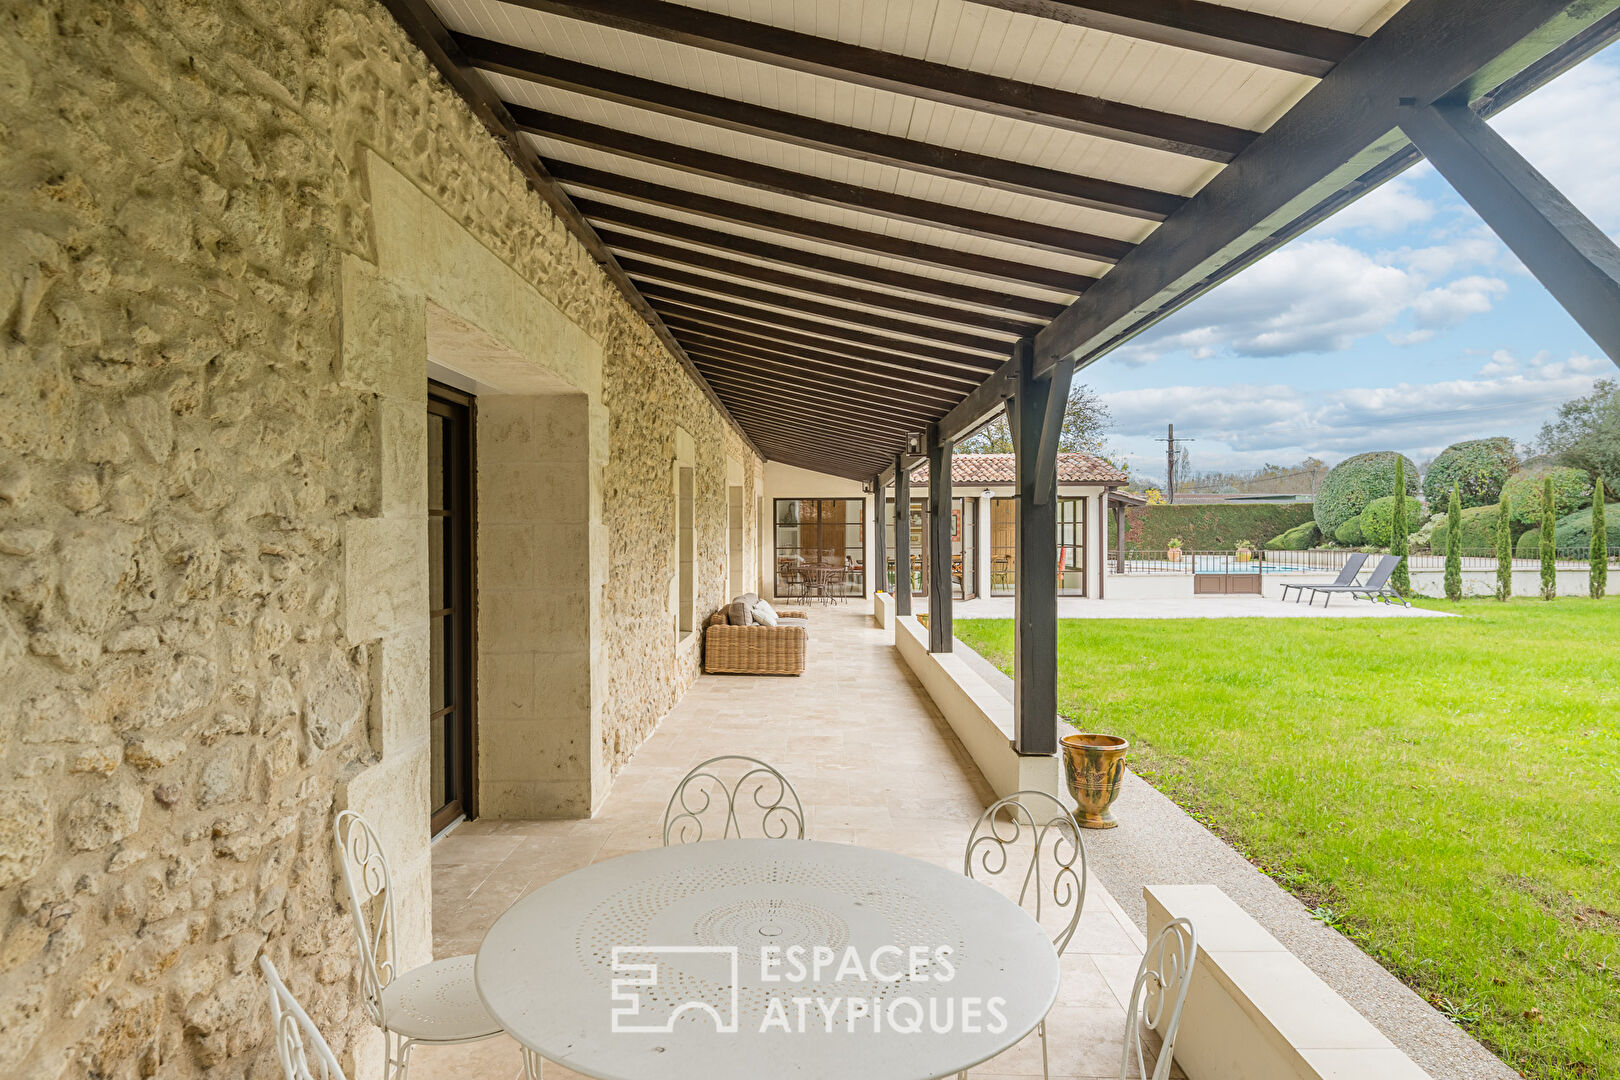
(182, 183)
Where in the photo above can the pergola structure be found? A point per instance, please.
(870, 227)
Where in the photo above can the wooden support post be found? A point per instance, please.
(902, 537)
(1568, 254)
(1035, 590)
(880, 541)
(940, 593)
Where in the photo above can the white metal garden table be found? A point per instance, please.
(650, 965)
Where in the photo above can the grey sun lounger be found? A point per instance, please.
(1347, 576)
(1377, 586)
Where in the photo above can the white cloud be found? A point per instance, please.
(1454, 301)
(1391, 207)
(1567, 131)
(1242, 425)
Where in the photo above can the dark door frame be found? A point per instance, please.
(459, 411)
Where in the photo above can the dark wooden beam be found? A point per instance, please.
(941, 595)
(646, 274)
(986, 400)
(865, 273)
(1014, 271)
(964, 366)
(819, 452)
(1338, 141)
(1214, 29)
(747, 384)
(1057, 399)
(910, 388)
(810, 373)
(1568, 254)
(879, 562)
(817, 189)
(796, 129)
(819, 287)
(801, 430)
(832, 59)
(902, 536)
(766, 340)
(424, 27)
(810, 384)
(1035, 586)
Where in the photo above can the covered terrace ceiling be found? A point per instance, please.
(843, 213)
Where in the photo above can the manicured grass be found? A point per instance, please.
(1446, 791)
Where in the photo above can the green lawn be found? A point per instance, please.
(1446, 791)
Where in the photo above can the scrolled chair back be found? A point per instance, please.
(294, 1034)
(706, 798)
(371, 900)
(1158, 995)
(1054, 879)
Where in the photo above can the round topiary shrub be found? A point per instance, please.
(1301, 537)
(1378, 519)
(1573, 533)
(1478, 531)
(1479, 468)
(1350, 533)
(1572, 489)
(1355, 482)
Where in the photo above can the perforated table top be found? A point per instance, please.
(729, 959)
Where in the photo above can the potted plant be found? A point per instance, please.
(1245, 551)
(1173, 546)
(1094, 768)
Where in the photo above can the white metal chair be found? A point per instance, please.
(706, 787)
(435, 1003)
(296, 1037)
(1055, 876)
(1158, 995)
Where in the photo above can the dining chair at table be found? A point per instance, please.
(1052, 881)
(295, 1035)
(710, 795)
(435, 1003)
(1157, 997)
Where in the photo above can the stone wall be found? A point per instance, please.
(208, 436)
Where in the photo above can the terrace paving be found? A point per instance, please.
(873, 762)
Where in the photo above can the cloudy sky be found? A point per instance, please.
(1400, 324)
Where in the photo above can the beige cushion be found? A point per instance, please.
(750, 598)
(738, 613)
(763, 613)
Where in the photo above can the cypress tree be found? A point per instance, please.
(1504, 549)
(1401, 579)
(1454, 546)
(1598, 582)
(1549, 566)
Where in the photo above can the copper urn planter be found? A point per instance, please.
(1094, 766)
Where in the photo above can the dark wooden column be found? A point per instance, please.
(880, 540)
(902, 537)
(940, 593)
(1035, 415)
(1568, 254)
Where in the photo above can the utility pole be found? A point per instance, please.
(1170, 442)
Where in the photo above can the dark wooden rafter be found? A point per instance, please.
(424, 27)
(1214, 29)
(1014, 271)
(807, 331)
(878, 388)
(739, 334)
(937, 288)
(749, 385)
(916, 374)
(690, 259)
(823, 430)
(990, 94)
(665, 99)
(785, 182)
(647, 274)
(892, 381)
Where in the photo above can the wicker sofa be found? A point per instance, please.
(754, 648)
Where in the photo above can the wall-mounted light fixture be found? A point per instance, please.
(914, 443)
(987, 493)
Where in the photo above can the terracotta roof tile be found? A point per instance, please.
(1000, 469)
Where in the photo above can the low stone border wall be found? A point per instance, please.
(883, 611)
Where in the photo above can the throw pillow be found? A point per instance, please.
(763, 614)
(737, 613)
(766, 604)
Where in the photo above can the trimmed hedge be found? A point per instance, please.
(1479, 468)
(1350, 533)
(1355, 482)
(1478, 531)
(1572, 489)
(1301, 537)
(1574, 531)
(1377, 520)
(1210, 526)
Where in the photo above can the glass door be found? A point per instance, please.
(1071, 530)
(450, 604)
(1003, 546)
